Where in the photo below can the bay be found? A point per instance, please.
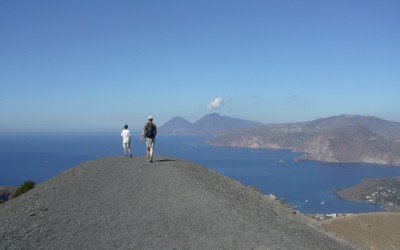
(305, 185)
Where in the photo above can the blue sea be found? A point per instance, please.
(305, 185)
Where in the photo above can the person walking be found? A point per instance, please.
(149, 132)
(126, 141)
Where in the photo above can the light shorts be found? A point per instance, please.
(126, 145)
(150, 142)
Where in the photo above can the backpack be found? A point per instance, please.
(150, 131)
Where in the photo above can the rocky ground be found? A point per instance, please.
(131, 203)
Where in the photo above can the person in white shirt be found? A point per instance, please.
(126, 141)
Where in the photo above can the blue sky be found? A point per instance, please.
(79, 65)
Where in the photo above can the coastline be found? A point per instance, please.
(261, 167)
(302, 155)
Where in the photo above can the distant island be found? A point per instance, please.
(385, 192)
(342, 139)
(209, 126)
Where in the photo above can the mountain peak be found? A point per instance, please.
(179, 118)
(175, 126)
(213, 115)
(183, 206)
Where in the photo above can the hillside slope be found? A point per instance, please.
(370, 231)
(130, 203)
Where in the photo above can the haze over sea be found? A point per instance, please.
(306, 185)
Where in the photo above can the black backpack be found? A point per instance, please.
(150, 131)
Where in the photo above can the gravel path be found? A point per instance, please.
(169, 204)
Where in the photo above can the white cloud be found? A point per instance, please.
(216, 104)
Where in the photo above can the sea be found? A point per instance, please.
(306, 186)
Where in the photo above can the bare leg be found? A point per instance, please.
(125, 152)
(130, 154)
(151, 154)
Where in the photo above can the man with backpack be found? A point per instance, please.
(149, 132)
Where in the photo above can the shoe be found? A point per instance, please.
(130, 156)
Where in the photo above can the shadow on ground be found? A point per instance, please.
(164, 160)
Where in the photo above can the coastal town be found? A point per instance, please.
(387, 196)
(385, 192)
(322, 217)
(383, 195)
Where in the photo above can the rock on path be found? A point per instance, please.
(130, 203)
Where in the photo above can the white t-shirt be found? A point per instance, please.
(126, 136)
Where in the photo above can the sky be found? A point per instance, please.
(97, 65)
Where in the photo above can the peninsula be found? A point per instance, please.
(385, 192)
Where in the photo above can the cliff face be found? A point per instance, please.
(334, 139)
(352, 144)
